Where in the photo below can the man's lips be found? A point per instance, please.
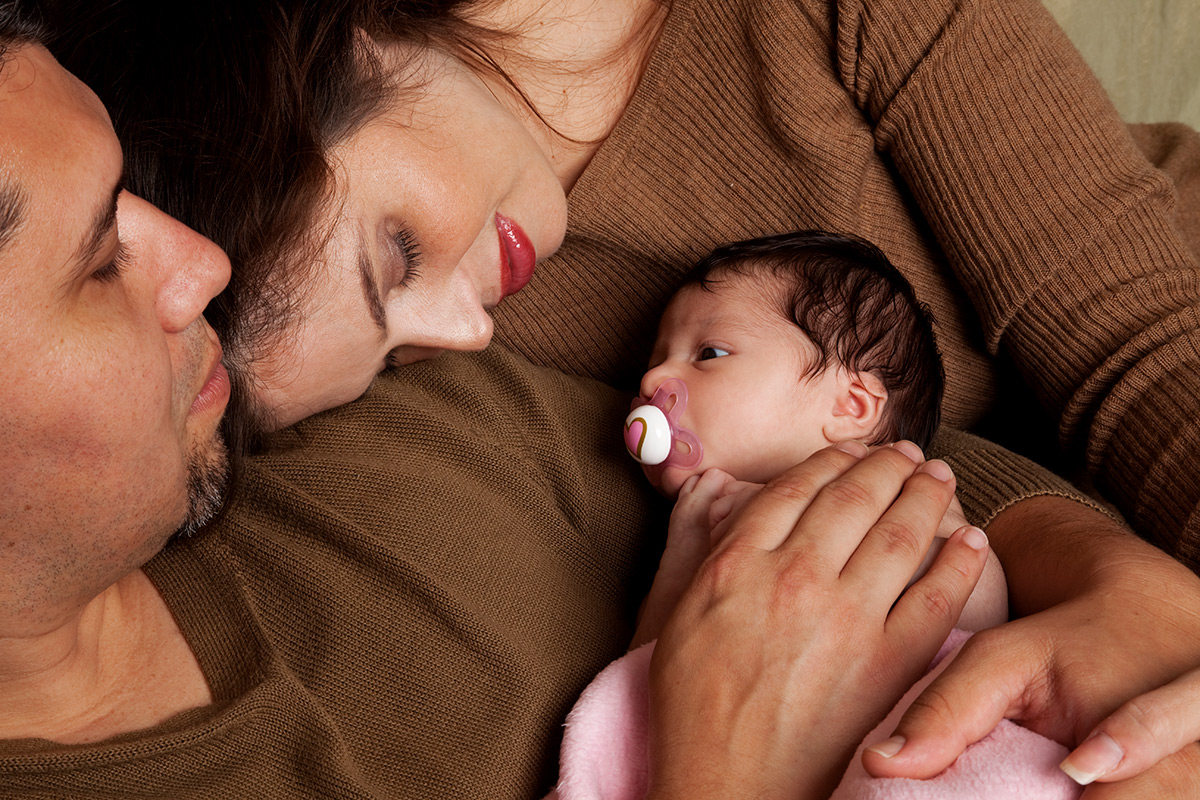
(517, 256)
(215, 391)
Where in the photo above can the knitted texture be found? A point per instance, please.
(409, 592)
(404, 601)
(969, 141)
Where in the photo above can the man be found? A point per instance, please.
(338, 637)
(111, 398)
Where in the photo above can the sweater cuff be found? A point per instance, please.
(990, 478)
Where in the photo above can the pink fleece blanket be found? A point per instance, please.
(604, 754)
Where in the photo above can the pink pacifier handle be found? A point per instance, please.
(653, 434)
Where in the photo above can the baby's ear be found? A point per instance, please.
(857, 406)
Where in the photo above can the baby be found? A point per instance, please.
(773, 349)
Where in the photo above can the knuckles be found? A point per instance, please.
(793, 488)
(1143, 719)
(938, 604)
(900, 540)
(849, 493)
(723, 571)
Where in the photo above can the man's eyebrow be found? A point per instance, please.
(366, 271)
(12, 212)
(103, 224)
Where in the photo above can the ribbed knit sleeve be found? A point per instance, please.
(1010, 477)
(1060, 231)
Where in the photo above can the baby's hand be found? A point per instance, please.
(687, 547)
(733, 495)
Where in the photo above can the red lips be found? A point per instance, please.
(517, 256)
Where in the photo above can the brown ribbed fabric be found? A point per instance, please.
(969, 141)
(404, 601)
(408, 593)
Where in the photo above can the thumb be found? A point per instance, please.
(1140, 733)
(984, 684)
(1171, 779)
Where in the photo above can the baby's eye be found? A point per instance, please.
(707, 353)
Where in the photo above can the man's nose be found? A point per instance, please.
(188, 269)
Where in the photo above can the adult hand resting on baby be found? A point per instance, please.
(1079, 648)
(790, 643)
(1043, 677)
(706, 504)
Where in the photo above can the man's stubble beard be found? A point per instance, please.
(207, 483)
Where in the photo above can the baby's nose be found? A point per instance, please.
(652, 380)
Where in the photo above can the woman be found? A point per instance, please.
(637, 135)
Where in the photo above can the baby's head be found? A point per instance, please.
(790, 343)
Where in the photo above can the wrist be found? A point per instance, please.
(1054, 549)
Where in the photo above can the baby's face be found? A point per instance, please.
(750, 403)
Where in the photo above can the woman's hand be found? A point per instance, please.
(1114, 619)
(791, 643)
(1140, 733)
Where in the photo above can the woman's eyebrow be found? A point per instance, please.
(370, 287)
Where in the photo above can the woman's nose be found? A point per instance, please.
(450, 317)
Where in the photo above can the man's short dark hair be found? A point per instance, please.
(19, 26)
(857, 309)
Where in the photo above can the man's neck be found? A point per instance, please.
(120, 665)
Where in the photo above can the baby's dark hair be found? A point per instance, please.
(857, 309)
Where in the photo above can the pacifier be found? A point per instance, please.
(653, 434)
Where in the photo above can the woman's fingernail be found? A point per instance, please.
(1096, 757)
(975, 538)
(888, 747)
(938, 469)
(853, 447)
(909, 449)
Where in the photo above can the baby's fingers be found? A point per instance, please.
(1140, 733)
(728, 505)
(696, 498)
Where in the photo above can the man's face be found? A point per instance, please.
(112, 387)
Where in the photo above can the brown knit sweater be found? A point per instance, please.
(969, 141)
(408, 593)
(403, 601)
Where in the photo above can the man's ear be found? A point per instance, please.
(857, 406)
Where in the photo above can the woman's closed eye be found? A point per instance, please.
(406, 242)
(709, 352)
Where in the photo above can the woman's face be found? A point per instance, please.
(441, 206)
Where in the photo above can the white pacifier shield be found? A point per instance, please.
(648, 435)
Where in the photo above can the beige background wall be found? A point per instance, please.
(1145, 52)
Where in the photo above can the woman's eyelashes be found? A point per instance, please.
(410, 252)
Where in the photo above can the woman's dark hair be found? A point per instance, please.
(858, 310)
(226, 111)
